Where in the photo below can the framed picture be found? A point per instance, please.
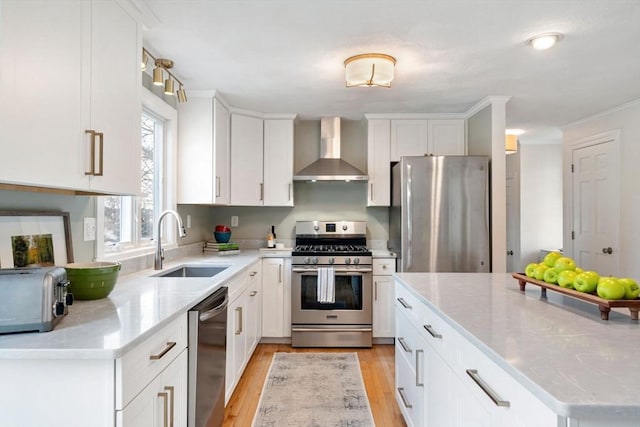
(35, 239)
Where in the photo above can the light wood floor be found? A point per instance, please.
(376, 363)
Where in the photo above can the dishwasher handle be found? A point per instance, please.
(213, 306)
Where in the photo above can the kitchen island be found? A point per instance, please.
(541, 361)
(110, 361)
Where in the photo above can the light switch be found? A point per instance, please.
(89, 229)
(234, 221)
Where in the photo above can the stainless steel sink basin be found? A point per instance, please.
(193, 270)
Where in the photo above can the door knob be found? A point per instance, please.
(607, 251)
(509, 252)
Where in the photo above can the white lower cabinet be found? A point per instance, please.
(383, 297)
(443, 380)
(276, 301)
(244, 323)
(161, 403)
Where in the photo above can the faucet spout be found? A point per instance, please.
(159, 256)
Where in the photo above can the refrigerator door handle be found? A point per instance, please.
(409, 218)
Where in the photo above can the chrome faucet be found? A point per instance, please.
(157, 265)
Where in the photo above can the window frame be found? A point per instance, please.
(167, 183)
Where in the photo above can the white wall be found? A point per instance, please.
(540, 199)
(627, 119)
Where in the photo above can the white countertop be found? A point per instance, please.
(138, 305)
(559, 349)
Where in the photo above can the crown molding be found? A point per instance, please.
(603, 113)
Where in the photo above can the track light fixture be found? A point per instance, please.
(162, 66)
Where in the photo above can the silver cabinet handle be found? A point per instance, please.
(404, 345)
(170, 345)
(404, 303)
(92, 169)
(217, 186)
(290, 192)
(253, 293)
(253, 273)
(239, 329)
(261, 191)
(165, 407)
(473, 373)
(101, 163)
(432, 332)
(280, 273)
(375, 290)
(418, 374)
(171, 390)
(371, 192)
(405, 402)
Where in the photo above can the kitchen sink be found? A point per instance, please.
(193, 270)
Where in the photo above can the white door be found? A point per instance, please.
(596, 206)
(513, 254)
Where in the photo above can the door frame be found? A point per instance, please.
(612, 137)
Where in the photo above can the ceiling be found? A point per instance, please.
(286, 56)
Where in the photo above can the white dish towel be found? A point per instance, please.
(326, 285)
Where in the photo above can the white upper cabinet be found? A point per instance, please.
(203, 154)
(69, 67)
(278, 162)
(247, 184)
(378, 162)
(418, 137)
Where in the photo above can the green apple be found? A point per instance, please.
(564, 263)
(586, 282)
(550, 276)
(566, 278)
(538, 273)
(632, 290)
(529, 269)
(579, 270)
(610, 288)
(551, 258)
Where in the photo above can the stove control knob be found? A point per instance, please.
(347, 260)
(315, 260)
(332, 260)
(356, 261)
(307, 260)
(344, 227)
(316, 227)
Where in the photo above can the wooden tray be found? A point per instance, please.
(604, 305)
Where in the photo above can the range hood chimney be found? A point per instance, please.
(330, 167)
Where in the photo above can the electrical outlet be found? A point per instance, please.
(89, 229)
(234, 221)
(188, 221)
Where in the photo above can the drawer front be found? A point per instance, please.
(407, 304)
(508, 402)
(384, 266)
(409, 343)
(438, 334)
(142, 364)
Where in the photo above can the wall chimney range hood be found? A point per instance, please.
(330, 167)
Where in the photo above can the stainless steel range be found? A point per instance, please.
(331, 286)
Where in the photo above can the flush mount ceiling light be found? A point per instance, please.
(163, 66)
(544, 41)
(369, 69)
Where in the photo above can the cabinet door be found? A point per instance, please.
(383, 307)
(236, 342)
(254, 309)
(273, 300)
(446, 137)
(408, 138)
(278, 162)
(174, 384)
(378, 162)
(438, 390)
(115, 96)
(247, 187)
(222, 178)
(40, 83)
(468, 411)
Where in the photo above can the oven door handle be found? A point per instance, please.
(349, 272)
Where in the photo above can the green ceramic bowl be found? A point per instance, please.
(92, 280)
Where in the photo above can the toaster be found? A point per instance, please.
(33, 299)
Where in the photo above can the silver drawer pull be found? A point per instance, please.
(404, 345)
(432, 332)
(165, 407)
(253, 293)
(418, 373)
(166, 350)
(404, 303)
(473, 373)
(405, 402)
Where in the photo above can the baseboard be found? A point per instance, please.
(276, 340)
(386, 340)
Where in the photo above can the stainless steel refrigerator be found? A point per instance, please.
(439, 214)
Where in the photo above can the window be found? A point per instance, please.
(129, 221)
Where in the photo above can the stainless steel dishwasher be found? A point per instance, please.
(207, 360)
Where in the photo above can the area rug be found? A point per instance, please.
(314, 390)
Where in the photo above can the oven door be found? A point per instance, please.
(353, 297)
